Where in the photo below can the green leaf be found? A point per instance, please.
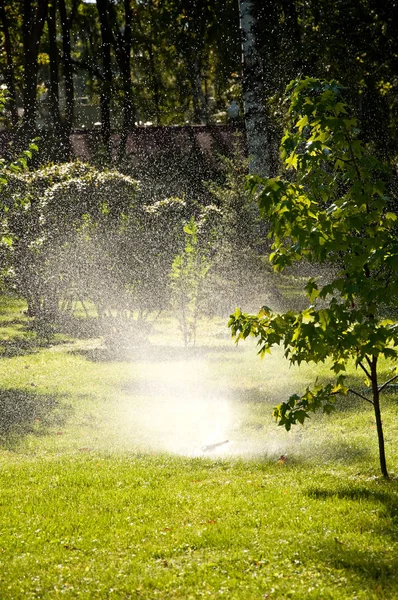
(311, 289)
(291, 162)
(308, 316)
(324, 318)
(301, 123)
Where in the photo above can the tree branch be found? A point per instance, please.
(360, 396)
(381, 388)
(364, 369)
(369, 363)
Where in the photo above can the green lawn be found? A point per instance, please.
(106, 492)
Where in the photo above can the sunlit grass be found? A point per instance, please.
(136, 526)
(106, 492)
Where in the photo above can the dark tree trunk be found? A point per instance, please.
(155, 85)
(106, 91)
(34, 17)
(293, 66)
(54, 76)
(128, 109)
(198, 33)
(150, 43)
(199, 103)
(124, 53)
(66, 23)
(122, 43)
(9, 68)
(379, 424)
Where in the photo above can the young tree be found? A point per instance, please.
(188, 272)
(333, 210)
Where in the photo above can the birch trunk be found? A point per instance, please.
(256, 117)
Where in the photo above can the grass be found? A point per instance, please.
(105, 492)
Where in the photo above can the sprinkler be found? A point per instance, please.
(211, 447)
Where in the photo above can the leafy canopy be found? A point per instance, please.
(330, 208)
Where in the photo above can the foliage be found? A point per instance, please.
(10, 206)
(84, 238)
(60, 217)
(177, 64)
(238, 241)
(239, 227)
(182, 59)
(333, 210)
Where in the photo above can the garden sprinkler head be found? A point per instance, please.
(210, 447)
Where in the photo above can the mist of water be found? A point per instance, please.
(209, 401)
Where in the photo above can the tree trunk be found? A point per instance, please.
(128, 110)
(123, 43)
(121, 40)
(256, 116)
(199, 102)
(68, 69)
(32, 28)
(154, 84)
(9, 68)
(379, 424)
(124, 52)
(106, 91)
(54, 78)
(154, 77)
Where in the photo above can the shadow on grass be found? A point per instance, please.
(331, 452)
(26, 412)
(20, 346)
(376, 572)
(374, 568)
(37, 335)
(147, 352)
(263, 397)
(79, 328)
(11, 322)
(386, 498)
